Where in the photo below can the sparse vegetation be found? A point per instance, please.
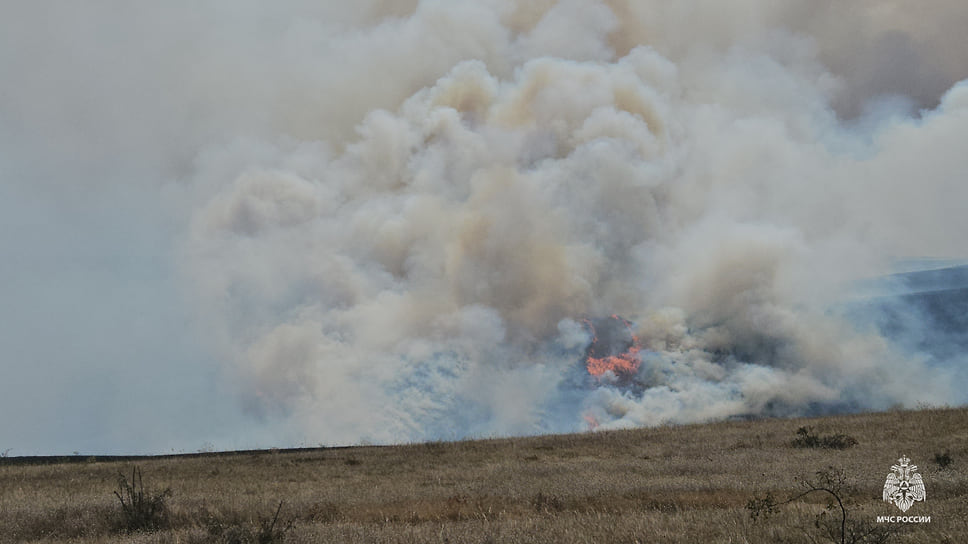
(807, 439)
(680, 484)
(547, 503)
(141, 510)
(833, 523)
(352, 461)
(943, 460)
(269, 529)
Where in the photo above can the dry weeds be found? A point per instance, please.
(670, 484)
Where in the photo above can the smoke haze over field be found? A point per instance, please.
(233, 224)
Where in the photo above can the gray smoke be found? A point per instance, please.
(390, 221)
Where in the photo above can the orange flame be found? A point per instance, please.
(625, 363)
(592, 421)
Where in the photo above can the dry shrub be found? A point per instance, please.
(807, 439)
(141, 510)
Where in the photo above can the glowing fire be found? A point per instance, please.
(623, 364)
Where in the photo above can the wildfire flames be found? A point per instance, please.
(615, 350)
(613, 356)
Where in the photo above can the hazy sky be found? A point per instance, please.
(231, 224)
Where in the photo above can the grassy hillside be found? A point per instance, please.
(674, 484)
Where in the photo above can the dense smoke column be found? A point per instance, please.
(423, 263)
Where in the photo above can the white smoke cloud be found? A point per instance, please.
(391, 218)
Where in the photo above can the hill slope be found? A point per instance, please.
(673, 484)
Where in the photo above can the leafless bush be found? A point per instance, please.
(141, 510)
(833, 523)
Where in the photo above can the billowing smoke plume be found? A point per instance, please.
(428, 274)
(411, 220)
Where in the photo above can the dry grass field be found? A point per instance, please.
(673, 484)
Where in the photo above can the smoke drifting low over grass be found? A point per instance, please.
(391, 221)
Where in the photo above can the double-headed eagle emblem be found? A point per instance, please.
(903, 485)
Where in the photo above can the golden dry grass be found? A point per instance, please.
(670, 484)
